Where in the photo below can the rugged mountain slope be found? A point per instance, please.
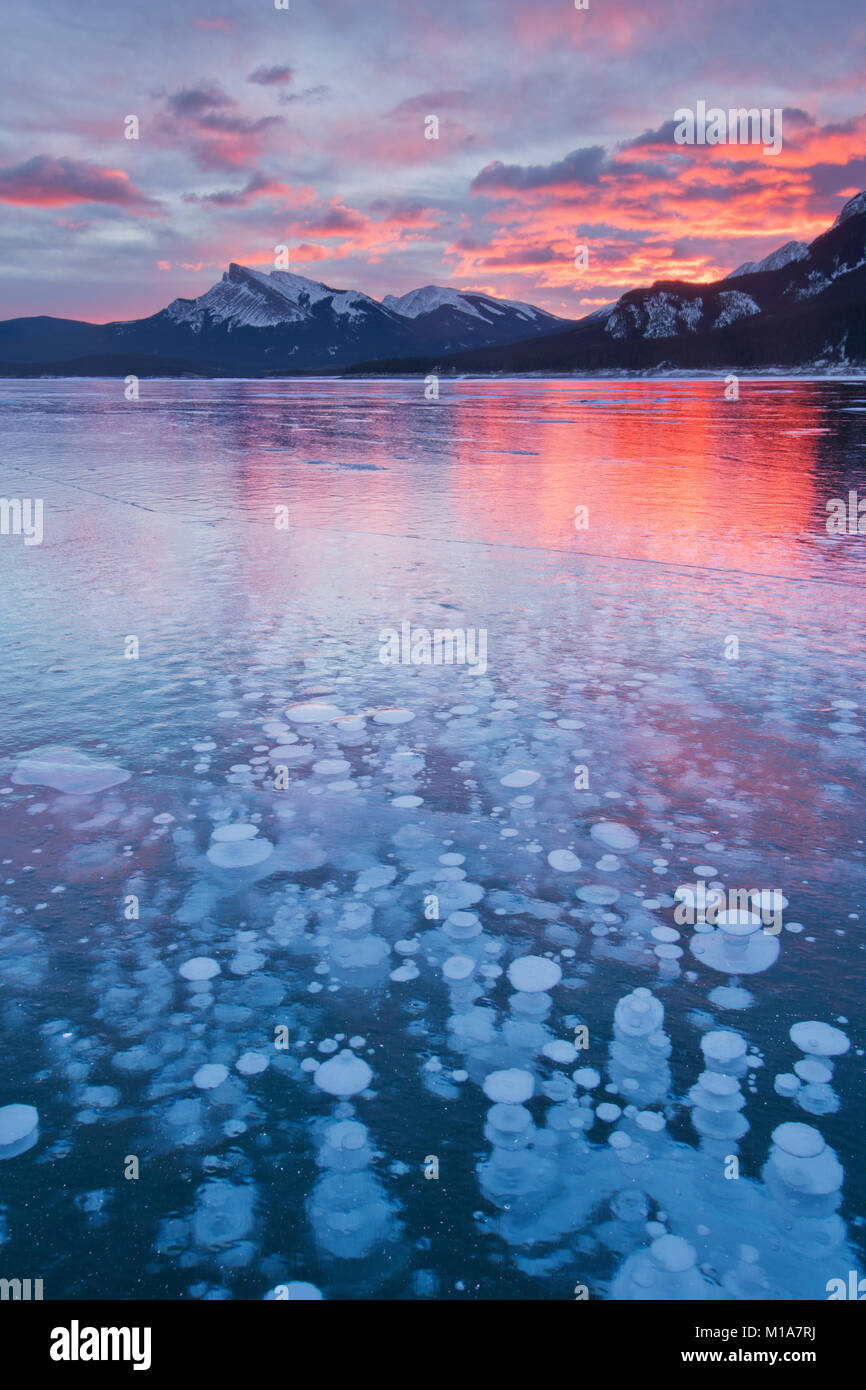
(800, 306)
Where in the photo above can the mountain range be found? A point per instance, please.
(252, 323)
(802, 306)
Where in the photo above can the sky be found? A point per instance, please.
(305, 127)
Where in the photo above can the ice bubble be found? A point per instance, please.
(786, 1084)
(810, 1069)
(620, 1140)
(768, 900)
(210, 1076)
(638, 1015)
(409, 803)
(608, 863)
(738, 947)
(352, 724)
(404, 973)
(331, 767)
(587, 1077)
(344, 1075)
(667, 952)
(667, 1272)
(800, 1141)
(295, 753)
(347, 1137)
(239, 854)
(818, 1099)
(819, 1039)
(457, 968)
(614, 835)
(673, 1254)
(716, 1084)
(313, 713)
(245, 962)
(251, 1063)
(224, 1214)
(300, 1292)
(359, 953)
(608, 1112)
(19, 1129)
(723, 1047)
(560, 1051)
(199, 968)
(730, 997)
(738, 922)
(238, 830)
(599, 894)
(532, 974)
(509, 1087)
(522, 777)
(462, 926)
(67, 770)
(563, 861)
(666, 934)
(650, 1120)
(455, 896)
(376, 877)
(393, 716)
(508, 1119)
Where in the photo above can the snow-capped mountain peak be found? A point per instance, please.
(246, 298)
(427, 299)
(784, 255)
(853, 208)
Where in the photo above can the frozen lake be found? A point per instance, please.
(341, 955)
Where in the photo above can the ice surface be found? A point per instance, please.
(413, 893)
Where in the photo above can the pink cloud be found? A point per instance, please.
(55, 183)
